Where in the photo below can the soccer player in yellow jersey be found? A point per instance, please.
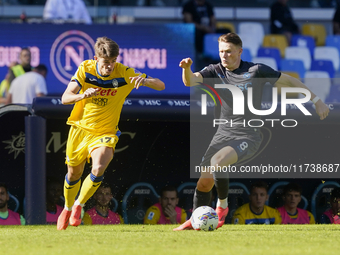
(98, 89)
(256, 212)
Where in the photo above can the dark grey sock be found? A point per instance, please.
(201, 198)
(222, 184)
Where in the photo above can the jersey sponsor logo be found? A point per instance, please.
(68, 51)
(106, 92)
(99, 101)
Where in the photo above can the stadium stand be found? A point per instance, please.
(327, 53)
(137, 199)
(333, 41)
(334, 94)
(317, 31)
(210, 46)
(299, 53)
(275, 196)
(246, 55)
(304, 41)
(321, 197)
(277, 41)
(272, 53)
(247, 42)
(293, 65)
(255, 29)
(269, 61)
(319, 82)
(323, 65)
(220, 25)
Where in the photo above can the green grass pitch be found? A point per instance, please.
(160, 239)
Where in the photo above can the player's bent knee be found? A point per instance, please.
(205, 184)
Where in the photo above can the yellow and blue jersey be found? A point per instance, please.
(100, 114)
(244, 215)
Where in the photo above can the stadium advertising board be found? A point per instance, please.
(153, 49)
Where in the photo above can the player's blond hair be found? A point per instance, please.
(105, 47)
(231, 38)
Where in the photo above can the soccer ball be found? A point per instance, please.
(204, 218)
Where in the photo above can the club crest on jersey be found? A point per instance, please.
(246, 75)
(115, 83)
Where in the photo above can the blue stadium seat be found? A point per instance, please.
(333, 41)
(334, 94)
(13, 203)
(246, 55)
(321, 198)
(114, 206)
(210, 46)
(275, 196)
(185, 194)
(137, 199)
(304, 41)
(293, 65)
(270, 52)
(238, 195)
(323, 65)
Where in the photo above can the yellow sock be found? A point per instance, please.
(71, 190)
(89, 187)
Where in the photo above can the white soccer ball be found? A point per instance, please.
(204, 218)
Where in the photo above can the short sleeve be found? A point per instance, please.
(208, 72)
(79, 76)
(131, 72)
(269, 73)
(152, 215)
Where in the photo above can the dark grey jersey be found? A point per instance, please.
(246, 76)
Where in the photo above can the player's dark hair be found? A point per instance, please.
(168, 188)
(2, 184)
(335, 194)
(231, 38)
(292, 187)
(259, 184)
(41, 68)
(105, 47)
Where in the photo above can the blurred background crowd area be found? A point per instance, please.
(174, 3)
(102, 10)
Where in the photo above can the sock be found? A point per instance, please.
(222, 187)
(71, 190)
(201, 198)
(89, 187)
(222, 203)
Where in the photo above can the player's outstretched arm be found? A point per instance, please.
(150, 82)
(320, 107)
(71, 95)
(189, 78)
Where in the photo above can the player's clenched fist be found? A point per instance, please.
(90, 92)
(185, 63)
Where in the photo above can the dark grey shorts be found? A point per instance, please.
(244, 148)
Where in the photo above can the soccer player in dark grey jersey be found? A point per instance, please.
(233, 144)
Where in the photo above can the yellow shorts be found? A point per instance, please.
(81, 143)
